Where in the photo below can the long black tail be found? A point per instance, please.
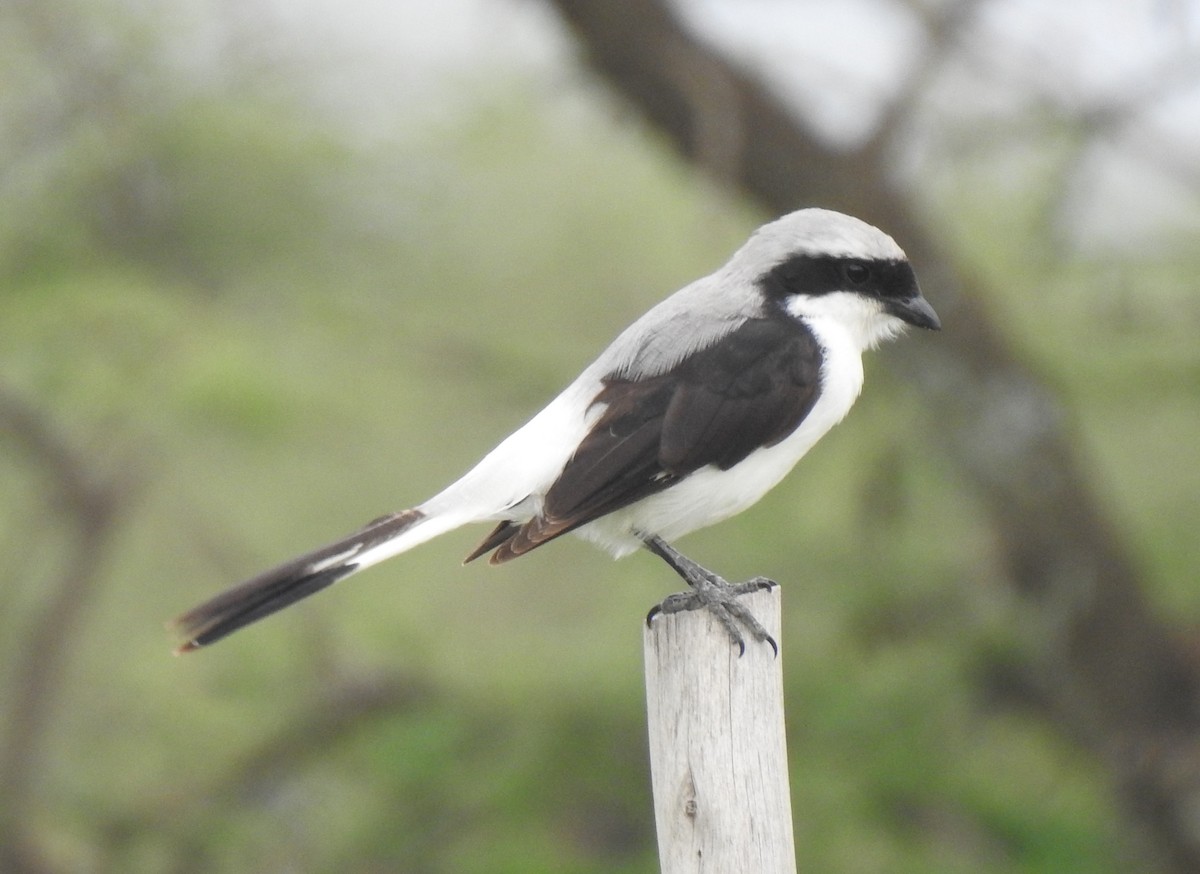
(286, 584)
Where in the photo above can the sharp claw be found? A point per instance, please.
(713, 592)
(729, 612)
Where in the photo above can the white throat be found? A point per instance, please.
(861, 321)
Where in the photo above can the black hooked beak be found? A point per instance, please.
(916, 311)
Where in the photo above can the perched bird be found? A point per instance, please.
(691, 415)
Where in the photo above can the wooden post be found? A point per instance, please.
(718, 756)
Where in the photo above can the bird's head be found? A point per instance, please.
(823, 265)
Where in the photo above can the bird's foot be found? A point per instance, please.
(711, 592)
(721, 599)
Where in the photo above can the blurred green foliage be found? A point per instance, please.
(279, 332)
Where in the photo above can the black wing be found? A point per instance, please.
(749, 390)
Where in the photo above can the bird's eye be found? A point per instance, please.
(857, 273)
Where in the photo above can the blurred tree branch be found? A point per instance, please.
(944, 28)
(347, 706)
(90, 507)
(1106, 663)
(254, 778)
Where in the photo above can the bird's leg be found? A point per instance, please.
(711, 592)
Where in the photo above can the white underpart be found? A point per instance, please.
(845, 325)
